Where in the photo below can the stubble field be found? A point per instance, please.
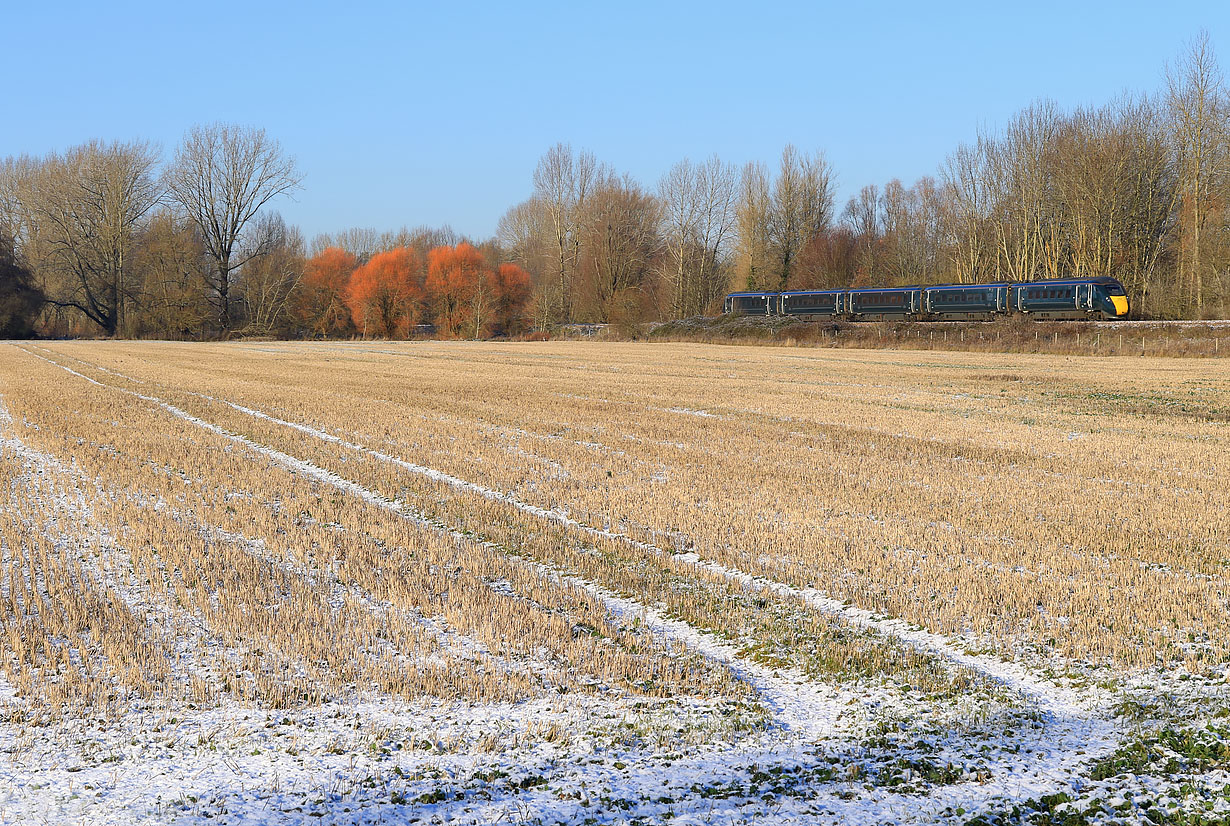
(605, 583)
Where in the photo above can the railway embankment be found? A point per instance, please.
(1191, 339)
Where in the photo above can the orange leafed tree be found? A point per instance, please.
(458, 290)
(320, 302)
(384, 294)
(511, 288)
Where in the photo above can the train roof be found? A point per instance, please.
(969, 286)
(884, 289)
(1092, 279)
(1057, 282)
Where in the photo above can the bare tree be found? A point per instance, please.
(862, 214)
(222, 176)
(361, 242)
(698, 214)
(527, 236)
(1150, 213)
(912, 238)
(1198, 109)
(270, 279)
(619, 229)
(802, 206)
(20, 300)
(86, 206)
(680, 218)
(752, 215)
(966, 213)
(14, 216)
(1017, 171)
(169, 266)
(563, 182)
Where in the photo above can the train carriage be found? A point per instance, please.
(884, 304)
(810, 305)
(965, 302)
(752, 303)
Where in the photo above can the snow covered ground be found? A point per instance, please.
(566, 760)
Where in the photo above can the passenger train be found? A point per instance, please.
(1065, 298)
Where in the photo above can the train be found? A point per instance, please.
(1095, 298)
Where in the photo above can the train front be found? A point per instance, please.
(1112, 299)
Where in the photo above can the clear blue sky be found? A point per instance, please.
(404, 113)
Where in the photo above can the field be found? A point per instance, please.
(592, 582)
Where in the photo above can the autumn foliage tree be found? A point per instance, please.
(469, 297)
(458, 290)
(511, 287)
(384, 295)
(321, 305)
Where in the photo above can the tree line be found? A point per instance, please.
(105, 238)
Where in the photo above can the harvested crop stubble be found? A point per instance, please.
(1070, 506)
(776, 630)
(304, 592)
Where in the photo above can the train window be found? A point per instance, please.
(1115, 289)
